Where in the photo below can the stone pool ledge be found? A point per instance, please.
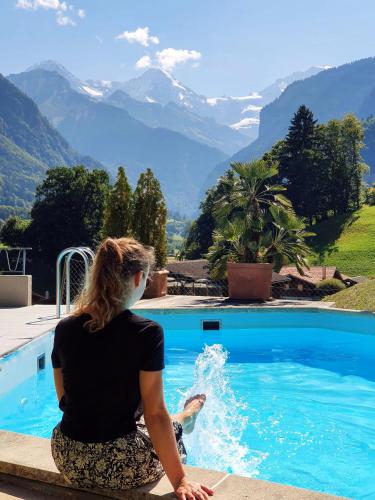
(27, 467)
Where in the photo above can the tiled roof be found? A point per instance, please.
(198, 269)
(312, 275)
(194, 269)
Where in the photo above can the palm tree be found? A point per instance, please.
(256, 223)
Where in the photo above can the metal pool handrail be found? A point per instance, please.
(21, 250)
(68, 253)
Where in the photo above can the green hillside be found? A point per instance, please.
(347, 242)
(361, 297)
(28, 146)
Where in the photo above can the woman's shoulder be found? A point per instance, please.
(70, 321)
(143, 324)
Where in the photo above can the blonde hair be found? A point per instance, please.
(116, 261)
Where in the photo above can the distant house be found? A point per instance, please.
(188, 270)
(305, 285)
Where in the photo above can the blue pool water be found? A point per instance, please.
(290, 395)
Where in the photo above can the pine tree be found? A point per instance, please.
(298, 165)
(118, 213)
(150, 216)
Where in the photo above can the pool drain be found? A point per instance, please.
(211, 324)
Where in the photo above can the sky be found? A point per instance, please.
(216, 47)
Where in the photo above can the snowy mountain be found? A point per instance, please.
(157, 100)
(158, 86)
(97, 89)
(240, 113)
(110, 134)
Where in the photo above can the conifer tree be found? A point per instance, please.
(298, 162)
(118, 212)
(150, 216)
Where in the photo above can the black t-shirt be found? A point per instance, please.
(100, 370)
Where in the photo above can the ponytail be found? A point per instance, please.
(109, 280)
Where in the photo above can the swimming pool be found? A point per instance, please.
(291, 393)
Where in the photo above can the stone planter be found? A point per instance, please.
(158, 285)
(15, 290)
(249, 281)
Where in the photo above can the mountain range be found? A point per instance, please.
(332, 93)
(157, 86)
(153, 120)
(156, 121)
(115, 138)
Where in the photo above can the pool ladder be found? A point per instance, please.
(87, 254)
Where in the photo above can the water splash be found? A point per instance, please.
(216, 440)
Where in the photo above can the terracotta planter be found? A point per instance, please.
(249, 281)
(158, 285)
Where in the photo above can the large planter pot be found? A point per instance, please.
(249, 281)
(158, 285)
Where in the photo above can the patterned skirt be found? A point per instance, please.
(123, 463)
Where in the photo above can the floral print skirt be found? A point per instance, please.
(123, 463)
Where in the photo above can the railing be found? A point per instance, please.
(20, 259)
(287, 289)
(86, 253)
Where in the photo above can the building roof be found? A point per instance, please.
(198, 269)
(193, 269)
(312, 275)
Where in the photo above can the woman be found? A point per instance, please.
(115, 431)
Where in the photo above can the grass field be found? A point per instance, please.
(347, 242)
(360, 296)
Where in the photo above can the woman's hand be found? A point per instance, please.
(189, 490)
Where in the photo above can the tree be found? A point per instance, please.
(118, 212)
(370, 195)
(353, 135)
(340, 147)
(13, 231)
(255, 222)
(321, 165)
(298, 162)
(150, 216)
(68, 210)
(199, 238)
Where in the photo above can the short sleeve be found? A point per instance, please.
(153, 345)
(56, 363)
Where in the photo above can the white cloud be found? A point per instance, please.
(169, 58)
(143, 63)
(100, 40)
(24, 4)
(61, 8)
(140, 35)
(43, 4)
(63, 20)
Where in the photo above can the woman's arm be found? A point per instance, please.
(59, 383)
(160, 426)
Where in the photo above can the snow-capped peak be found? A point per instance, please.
(213, 101)
(92, 92)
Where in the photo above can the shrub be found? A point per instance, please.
(330, 286)
(13, 231)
